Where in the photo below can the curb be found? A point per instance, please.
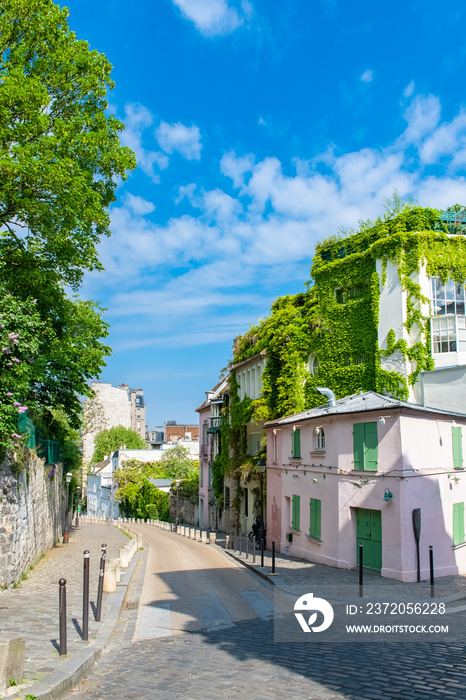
(81, 663)
(271, 578)
(277, 581)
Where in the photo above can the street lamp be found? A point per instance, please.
(66, 531)
(78, 490)
(177, 482)
(261, 465)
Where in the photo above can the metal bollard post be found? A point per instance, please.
(62, 615)
(262, 551)
(360, 570)
(86, 595)
(247, 547)
(273, 557)
(101, 583)
(431, 564)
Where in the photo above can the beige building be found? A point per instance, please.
(112, 406)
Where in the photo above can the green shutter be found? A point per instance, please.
(458, 523)
(457, 441)
(295, 517)
(371, 447)
(365, 446)
(315, 518)
(296, 444)
(358, 445)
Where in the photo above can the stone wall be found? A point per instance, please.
(32, 511)
(188, 512)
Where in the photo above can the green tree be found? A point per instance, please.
(60, 162)
(177, 463)
(110, 439)
(60, 154)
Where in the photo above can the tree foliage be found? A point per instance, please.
(137, 496)
(177, 463)
(110, 439)
(60, 153)
(60, 161)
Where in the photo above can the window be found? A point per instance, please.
(275, 448)
(447, 298)
(227, 497)
(296, 512)
(320, 440)
(458, 523)
(296, 444)
(365, 446)
(246, 503)
(457, 443)
(355, 292)
(314, 516)
(139, 425)
(448, 334)
(210, 475)
(313, 364)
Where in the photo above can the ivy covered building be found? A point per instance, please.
(384, 311)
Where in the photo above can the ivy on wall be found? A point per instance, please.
(336, 320)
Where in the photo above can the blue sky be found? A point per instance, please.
(260, 127)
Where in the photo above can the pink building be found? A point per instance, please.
(353, 471)
(210, 419)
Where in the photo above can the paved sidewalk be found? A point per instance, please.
(292, 573)
(31, 610)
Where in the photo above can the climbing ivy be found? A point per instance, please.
(336, 320)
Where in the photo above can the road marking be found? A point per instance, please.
(261, 605)
(154, 621)
(214, 615)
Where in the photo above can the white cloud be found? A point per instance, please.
(213, 17)
(236, 168)
(177, 137)
(137, 120)
(422, 116)
(139, 205)
(448, 140)
(409, 89)
(242, 241)
(367, 76)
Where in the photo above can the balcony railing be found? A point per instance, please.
(215, 424)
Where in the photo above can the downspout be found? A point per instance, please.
(328, 393)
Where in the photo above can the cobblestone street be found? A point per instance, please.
(241, 659)
(244, 662)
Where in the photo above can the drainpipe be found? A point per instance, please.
(328, 393)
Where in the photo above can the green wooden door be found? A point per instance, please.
(369, 534)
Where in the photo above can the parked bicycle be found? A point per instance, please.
(258, 532)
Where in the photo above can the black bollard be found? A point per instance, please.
(101, 583)
(62, 615)
(361, 564)
(431, 563)
(273, 557)
(262, 551)
(247, 547)
(86, 595)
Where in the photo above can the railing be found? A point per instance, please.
(44, 448)
(215, 424)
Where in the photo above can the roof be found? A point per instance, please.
(253, 358)
(357, 403)
(98, 466)
(161, 483)
(218, 389)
